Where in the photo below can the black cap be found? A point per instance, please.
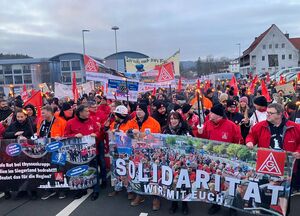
(160, 104)
(143, 106)
(176, 107)
(231, 103)
(66, 106)
(186, 107)
(218, 110)
(261, 101)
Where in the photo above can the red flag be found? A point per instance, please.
(90, 64)
(233, 84)
(37, 101)
(74, 88)
(207, 85)
(179, 87)
(282, 80)
(253, 83)
(298, 78)
(24, 93)
(264, 91)
(268, 79)
(154, 92)
(198, 84)
(165, 72)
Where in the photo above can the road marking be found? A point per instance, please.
(73, 205)
(143, 214)
(1, 195)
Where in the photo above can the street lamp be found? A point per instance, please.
(115, 28)
(83, 44)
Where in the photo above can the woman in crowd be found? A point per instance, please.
(177, 126)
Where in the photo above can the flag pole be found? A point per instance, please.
(198, 102)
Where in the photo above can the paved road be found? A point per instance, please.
(104, 206)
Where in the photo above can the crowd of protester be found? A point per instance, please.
(224, 116)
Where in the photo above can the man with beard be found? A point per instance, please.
(160, 114)
(21, 128)
(5, 111)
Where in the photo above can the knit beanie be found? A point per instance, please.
(218, 110)
(244, 99)
(261, 101)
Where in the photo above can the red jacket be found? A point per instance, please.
(224, 131)
(2, 130)
(104, 108)
(260, 135)
(75, 126)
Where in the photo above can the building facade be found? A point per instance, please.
(270, 52)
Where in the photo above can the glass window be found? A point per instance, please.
(253, 58)
(18, 80)
(7, 69)
(264, 46)
(1, 71)
(18, 71)
(27, 79)
(270, 46)
(263, 58)
(283, 45)
(9, 80)
(66, 77)
(1, 79)
(283, 57)
(273, 60)
(65, 66)
(276, 46)
(290, 56)
(76, 65)
(26, 69)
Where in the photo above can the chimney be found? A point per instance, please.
(255, 38)
(287, 35)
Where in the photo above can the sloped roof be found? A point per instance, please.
(295, 42)
(257, 41)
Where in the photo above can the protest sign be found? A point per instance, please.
(150, 63)
(45, 164)
(119, 88)
(287, 89)
(183, 168)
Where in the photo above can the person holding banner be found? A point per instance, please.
(219, 128)
(120, 123)
(176, 126)
(277, 133)
(81, 125)
(142, 123)
(51, 127)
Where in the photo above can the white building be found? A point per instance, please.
(271, 51)
(234, 66)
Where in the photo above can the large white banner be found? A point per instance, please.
(63, 91)
(150, 63)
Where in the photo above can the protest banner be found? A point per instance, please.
(45, 164)
(287, 89)
(150, 63)
(182, 168)
(119, 88)
(62, 91)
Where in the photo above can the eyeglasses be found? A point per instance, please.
(272, 113)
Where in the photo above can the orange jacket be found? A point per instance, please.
(57, 129)
(150, 123)
(123, 127)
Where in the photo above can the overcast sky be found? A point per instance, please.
(157, 28)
